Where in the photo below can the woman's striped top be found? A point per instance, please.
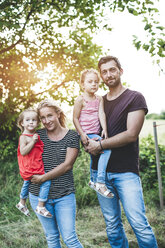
(54, 154)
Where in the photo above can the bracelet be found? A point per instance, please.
(101, 145)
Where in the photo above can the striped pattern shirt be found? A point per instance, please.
(54, 154)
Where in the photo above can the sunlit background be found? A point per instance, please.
(141, 72)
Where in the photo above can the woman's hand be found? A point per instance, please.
(38, 179)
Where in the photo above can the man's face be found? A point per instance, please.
(110, 74)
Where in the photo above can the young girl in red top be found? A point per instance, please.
(29, 153)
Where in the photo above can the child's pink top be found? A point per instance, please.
(89, 117)
(31, 163)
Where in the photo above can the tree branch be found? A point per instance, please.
(21, 33)
(52, 88)
(10, 47)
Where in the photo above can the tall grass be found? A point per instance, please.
(17, 230)
(90, 225)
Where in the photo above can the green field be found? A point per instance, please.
(148, 129)
(18, 231)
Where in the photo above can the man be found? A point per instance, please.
(125, 111)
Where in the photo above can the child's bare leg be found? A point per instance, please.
(23, 201)
(41, 204)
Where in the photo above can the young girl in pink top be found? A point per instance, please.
(88, 118)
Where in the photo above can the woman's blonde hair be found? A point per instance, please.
(21, 117)
(52, 104)
(85, 72)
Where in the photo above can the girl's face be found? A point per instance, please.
(91, 83)
(49, 118)
(30, 121)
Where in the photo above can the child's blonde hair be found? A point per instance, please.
(85, 72)
(21, 117)
(52, 104)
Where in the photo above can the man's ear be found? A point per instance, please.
(121, 71)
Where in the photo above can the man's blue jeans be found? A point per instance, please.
(63, 221)
(102, 162)
(127, 190)
(43, 194)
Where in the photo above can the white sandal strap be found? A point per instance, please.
(21, 206)
(39, 210)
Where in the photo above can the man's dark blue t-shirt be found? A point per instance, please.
(126, 158)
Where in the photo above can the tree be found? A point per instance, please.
(38, 33)
(162, 115)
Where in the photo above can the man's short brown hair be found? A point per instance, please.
(106, 59)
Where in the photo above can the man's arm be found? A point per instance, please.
(134, 124)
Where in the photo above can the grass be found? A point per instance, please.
(17, 230)
(28, 233)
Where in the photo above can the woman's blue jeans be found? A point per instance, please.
(63, 221)
(102, 162)
(127, 190)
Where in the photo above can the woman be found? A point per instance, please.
(60, 152)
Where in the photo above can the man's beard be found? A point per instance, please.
(114, 84)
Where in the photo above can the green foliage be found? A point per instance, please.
(154, 43)
(162, 115)
(85, 196)
(10, 184)
(8, 150)
(16, 230)
(36, 34)
(10, 178)
(148, 168)
(155, 116)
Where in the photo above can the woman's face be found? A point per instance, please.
(49, 118)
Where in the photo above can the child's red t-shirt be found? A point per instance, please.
(31, 163)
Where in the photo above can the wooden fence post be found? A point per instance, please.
(158, 166)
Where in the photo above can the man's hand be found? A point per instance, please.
(93, 147)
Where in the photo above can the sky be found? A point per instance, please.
(139, 71)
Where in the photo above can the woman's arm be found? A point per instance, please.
(134, 124)
(27, 143)
(61, 169)
(76, 115)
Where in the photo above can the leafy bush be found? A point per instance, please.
(85, 196)
(11, 182)
(155, 116)
(8, 150)
(148, 168)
